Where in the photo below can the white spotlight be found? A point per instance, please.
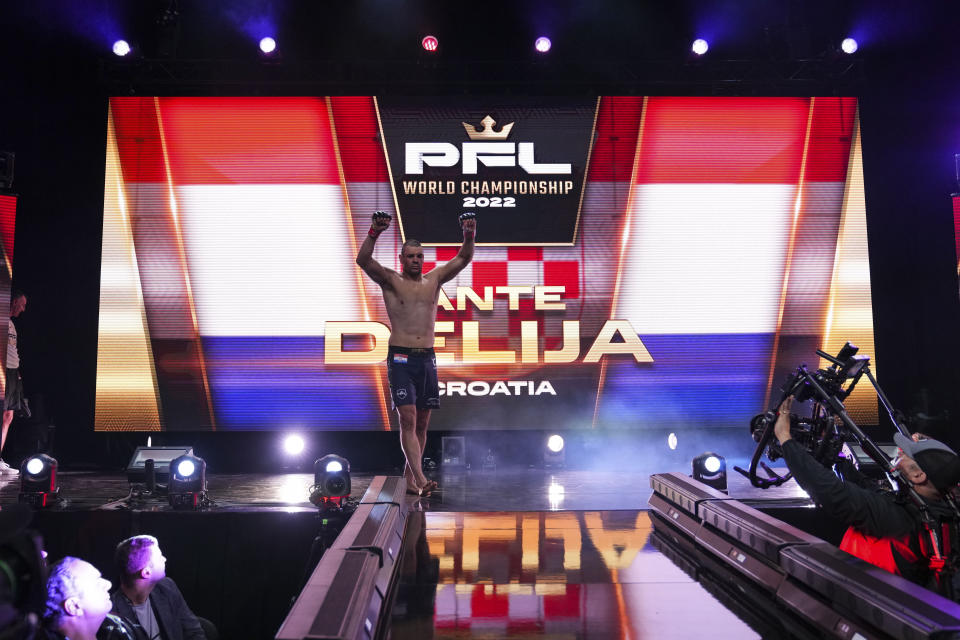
(555, 443)
(293, 444)
(121, 47)
(268, 45)
(333, 467)
(672, 441)
(542, 44)
(712, 464)
(34, 466)
(186, 468)
(849, 45)
(699, 46)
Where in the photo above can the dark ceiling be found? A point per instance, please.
(756, 45)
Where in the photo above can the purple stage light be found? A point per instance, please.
(849, 45)
(699, 46)
(542, 44)
(430, 43)
(268, 45)
(121, 47)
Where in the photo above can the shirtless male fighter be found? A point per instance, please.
(411, 301)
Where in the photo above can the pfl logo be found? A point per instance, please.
(488, 147)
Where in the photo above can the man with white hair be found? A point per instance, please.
(78, 605)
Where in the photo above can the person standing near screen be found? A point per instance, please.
(13, 399)
(411, 301)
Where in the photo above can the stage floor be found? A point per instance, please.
(500, 490)
(535, 553)
(505, 553)
(566, 574)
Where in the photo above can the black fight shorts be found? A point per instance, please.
(13, 399)
(412, 374)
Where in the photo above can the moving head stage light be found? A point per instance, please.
(188, 483)
(331, 481)
(711, 469)
(829, 427)
(151, 465)
(38, 481)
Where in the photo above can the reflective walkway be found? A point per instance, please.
(561, 574)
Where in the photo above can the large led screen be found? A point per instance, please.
(641, 262)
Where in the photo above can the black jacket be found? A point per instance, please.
(175, 618)
(112, 628)
(875, 513)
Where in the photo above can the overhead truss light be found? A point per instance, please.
(268, 45)
(121, 48)
(699, 46)
(849, 46)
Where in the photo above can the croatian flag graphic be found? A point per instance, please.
(727, 234)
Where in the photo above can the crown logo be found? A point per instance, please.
(487, 133)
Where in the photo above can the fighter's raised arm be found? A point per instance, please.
(447, 272)
(377, 272)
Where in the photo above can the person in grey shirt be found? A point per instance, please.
(13, 398)
(148, 596)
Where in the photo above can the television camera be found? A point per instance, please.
(23, 574)
(829, 426)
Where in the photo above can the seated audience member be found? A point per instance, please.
(78, 605)
(147, 595)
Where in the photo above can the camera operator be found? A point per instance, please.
(884, 528)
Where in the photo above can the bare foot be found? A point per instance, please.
(413, 489)
(431, 485)
(428, 486)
